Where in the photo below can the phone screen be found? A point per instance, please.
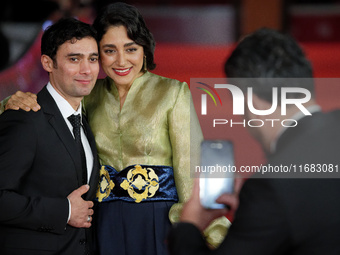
(216, 175)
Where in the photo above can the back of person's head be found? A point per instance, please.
(268, 54)
(66, 29)
(122, 14)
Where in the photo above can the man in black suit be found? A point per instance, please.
(46, 182)
(277, 215)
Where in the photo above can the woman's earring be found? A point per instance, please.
(145, 68)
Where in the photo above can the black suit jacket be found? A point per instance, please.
(39, 168)
(284, 216)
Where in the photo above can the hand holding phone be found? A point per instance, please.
(216, 172)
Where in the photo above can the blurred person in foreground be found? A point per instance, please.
(45, 190)
(143, 124)
(275, 215)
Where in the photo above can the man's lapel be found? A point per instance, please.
(56, 120)
(94, 179)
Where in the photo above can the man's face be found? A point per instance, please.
(75, 70)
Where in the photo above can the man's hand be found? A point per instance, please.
(232, 200)
(81, 210)
(193, 212)
(21, 100)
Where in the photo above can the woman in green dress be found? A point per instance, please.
(141, 123)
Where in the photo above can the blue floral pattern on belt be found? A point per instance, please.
(137, 183)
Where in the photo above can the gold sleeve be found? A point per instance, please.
(216, 231)
(3, 104)
(186, 137)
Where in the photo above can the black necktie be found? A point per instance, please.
(75, 121)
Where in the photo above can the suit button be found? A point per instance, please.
(82, 241)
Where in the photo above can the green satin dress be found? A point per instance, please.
(157, 125)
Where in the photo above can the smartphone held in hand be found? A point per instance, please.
(216, 172)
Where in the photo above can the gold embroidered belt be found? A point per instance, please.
(137, 183)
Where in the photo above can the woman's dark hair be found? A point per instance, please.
(117, 14)
(65, 29)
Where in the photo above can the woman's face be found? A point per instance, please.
(121, 57)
